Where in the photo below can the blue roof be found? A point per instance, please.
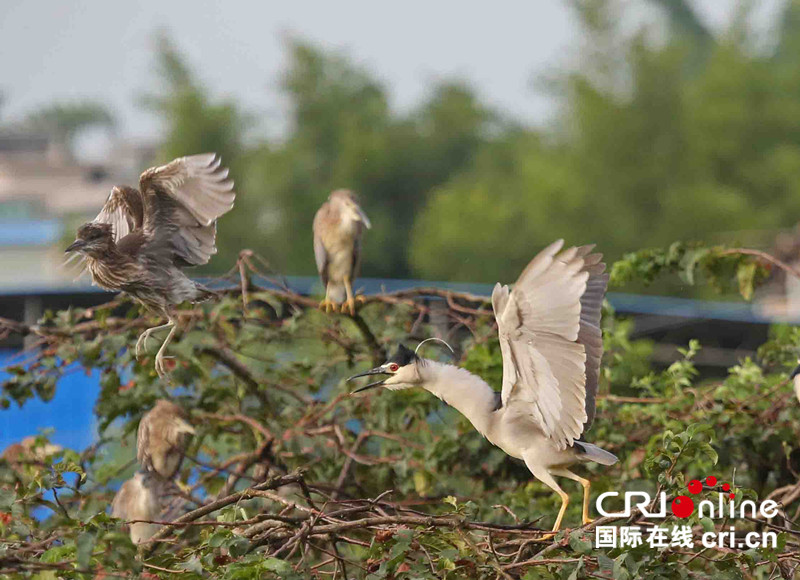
(29, 232)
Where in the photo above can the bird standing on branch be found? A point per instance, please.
(338, 227)
(551, 343)
(142, 239)
(163, 436)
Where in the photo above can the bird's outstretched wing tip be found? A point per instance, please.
(204, 159)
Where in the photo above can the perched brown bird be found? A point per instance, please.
(338, 227)
(142, 239)
(164, 433)
(147, 497)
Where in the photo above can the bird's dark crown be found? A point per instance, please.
(403, 356)
(94, 231)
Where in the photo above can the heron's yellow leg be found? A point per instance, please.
(562, 511)
(326, 305)
(557, 526)
(351, 302)
(545, 475)
(587, 485)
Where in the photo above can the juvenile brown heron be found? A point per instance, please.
(164, 433)
(147, 497)
(551, 343)
(142, 239)
(338, 227)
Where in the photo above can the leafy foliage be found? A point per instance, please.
(290, 477)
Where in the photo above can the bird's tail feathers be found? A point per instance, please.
(594, 453)
(204, 294)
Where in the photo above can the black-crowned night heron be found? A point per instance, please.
(142, 239)
(146, 496)
(164, 433)
(551, 343)
(338, 227)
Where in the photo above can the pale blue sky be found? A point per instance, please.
(102, 49)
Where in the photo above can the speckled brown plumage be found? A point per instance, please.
(338, 228)
(146, 496)
(142, 239)
(164, 433)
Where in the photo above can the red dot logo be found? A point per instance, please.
(711, 481)
(682, 506)
(695, 486)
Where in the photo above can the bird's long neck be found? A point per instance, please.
(459, 388)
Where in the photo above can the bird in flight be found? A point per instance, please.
(142, 239)
(338, 227)
(551, 344)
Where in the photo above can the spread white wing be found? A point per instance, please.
(550, 339)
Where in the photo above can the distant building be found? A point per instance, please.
(44, 195)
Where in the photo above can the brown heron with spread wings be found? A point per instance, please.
(338, 227)
(142, 239)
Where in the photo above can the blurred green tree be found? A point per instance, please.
(683, 134)
(65, 121)
(196, 123)
(342, 133)
(653, 141)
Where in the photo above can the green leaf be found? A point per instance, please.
(579, 543)
(192, 565)
(451, 500)
(281, 567)
(7, 498)
(84, 546)
(746, 276)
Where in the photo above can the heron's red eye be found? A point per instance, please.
(393, 367)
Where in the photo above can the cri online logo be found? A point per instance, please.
(683, 505)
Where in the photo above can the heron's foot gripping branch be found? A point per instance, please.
(327, 306)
